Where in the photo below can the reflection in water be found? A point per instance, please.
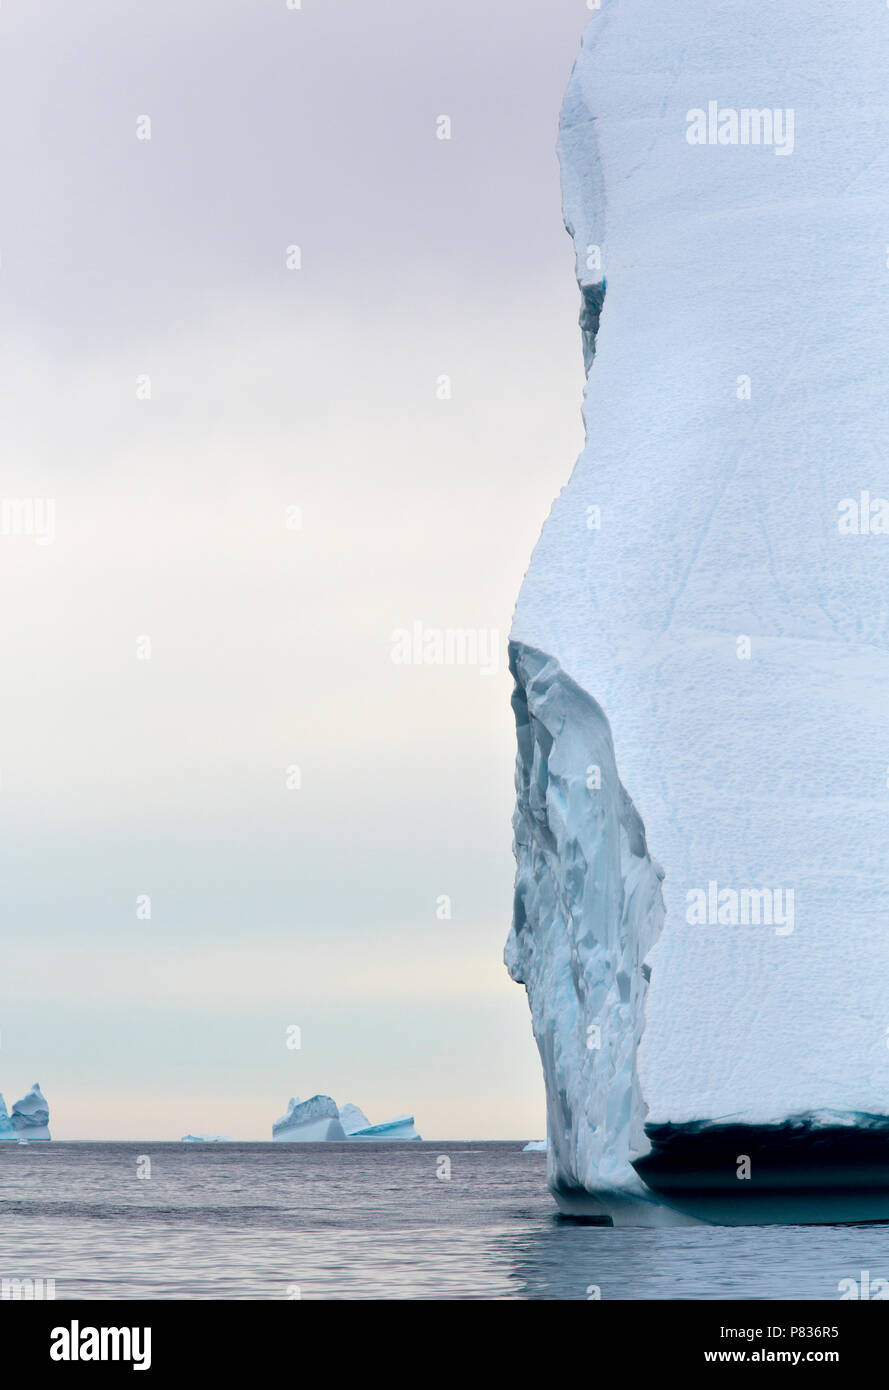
(702, 1262)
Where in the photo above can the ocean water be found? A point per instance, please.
(278, 1221)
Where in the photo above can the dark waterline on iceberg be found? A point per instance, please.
(806, 1169)
(259, 1221)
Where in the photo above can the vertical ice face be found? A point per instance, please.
(310, 1121)
(706, 614)
(587, 908)
(352, 1117)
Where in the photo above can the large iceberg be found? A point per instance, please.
(30, 1115)
(701, 644)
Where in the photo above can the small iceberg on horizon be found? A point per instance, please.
(7, 1128)
(29, 1118)
(535, 1146)
(206, 1139)
(320, 1120)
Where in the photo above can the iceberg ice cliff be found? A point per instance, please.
(352, 1118)
(701, 643)
(587, 909)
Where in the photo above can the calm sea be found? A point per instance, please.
(277, 1221)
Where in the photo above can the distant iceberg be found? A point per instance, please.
(535, 1146)
(320, 1119)
(309, 1122)
(30, 1116)
(402, 1127)
(7, 1128)
(206, 1139)
(352, 1118)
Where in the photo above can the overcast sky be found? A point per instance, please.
(209, 604)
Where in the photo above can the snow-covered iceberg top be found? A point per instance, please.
(320, 1119)
(30, 1116)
